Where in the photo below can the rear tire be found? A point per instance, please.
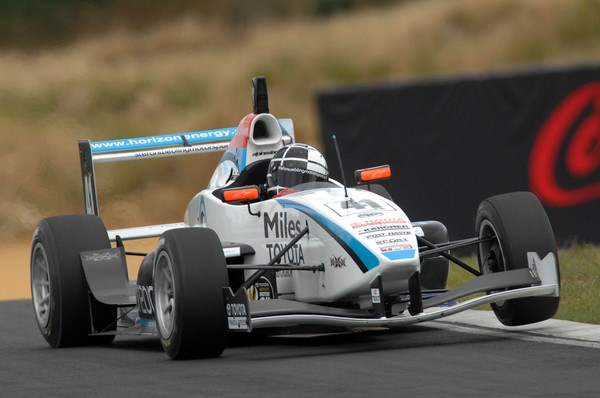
(61, 301)
(518, 223)
(189, 276)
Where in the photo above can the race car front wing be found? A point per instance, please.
(245, 315)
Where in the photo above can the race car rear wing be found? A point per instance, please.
(255, 134)
(92, 152)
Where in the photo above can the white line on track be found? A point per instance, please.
(553, 331)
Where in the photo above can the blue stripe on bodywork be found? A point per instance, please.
(241, 158)
(369, 260)
(400, 254)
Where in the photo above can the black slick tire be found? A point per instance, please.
(63, 307)
(518, 225)
(189, 276)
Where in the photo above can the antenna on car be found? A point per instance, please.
(260, 97)
(337, 151)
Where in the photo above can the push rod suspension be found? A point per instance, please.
(281, 267)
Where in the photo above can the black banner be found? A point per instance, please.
(453, 142)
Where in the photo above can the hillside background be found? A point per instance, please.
(115, 69)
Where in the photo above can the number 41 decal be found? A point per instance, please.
(348, 207)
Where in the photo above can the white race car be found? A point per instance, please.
(274, 243)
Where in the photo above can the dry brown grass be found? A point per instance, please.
(194, 74)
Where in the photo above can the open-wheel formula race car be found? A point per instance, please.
(275, 244)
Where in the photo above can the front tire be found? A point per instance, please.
(517, 224)
(60, 297)
(189, 276)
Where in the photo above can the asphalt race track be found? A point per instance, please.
(450, 358)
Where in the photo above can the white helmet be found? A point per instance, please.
(295, 164)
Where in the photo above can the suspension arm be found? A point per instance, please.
(255, 276)
(443, 251)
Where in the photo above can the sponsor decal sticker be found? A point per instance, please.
(280, 226)
(193, 137)
(293, 256)
(395, 248)
(386, 234)
(263, 153)
(261, 290)
(338, 261)
(232, 252)
(236, 316)
(107, 256)
(145, 299)
(375, 296)
(236, 308)
(545, 269)
(394, 241)
(369, 215)
(377, 222)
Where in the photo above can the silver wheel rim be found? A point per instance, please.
(40, 285)
(164, 294)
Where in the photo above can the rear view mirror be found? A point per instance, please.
(241, 194)
(365, 176)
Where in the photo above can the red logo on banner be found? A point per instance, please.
(569, 139)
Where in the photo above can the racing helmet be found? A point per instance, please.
(295, 164)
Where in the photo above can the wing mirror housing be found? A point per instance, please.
(372, 174)
(245, 194)
(241, 194)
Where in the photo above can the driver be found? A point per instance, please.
(292, 165)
